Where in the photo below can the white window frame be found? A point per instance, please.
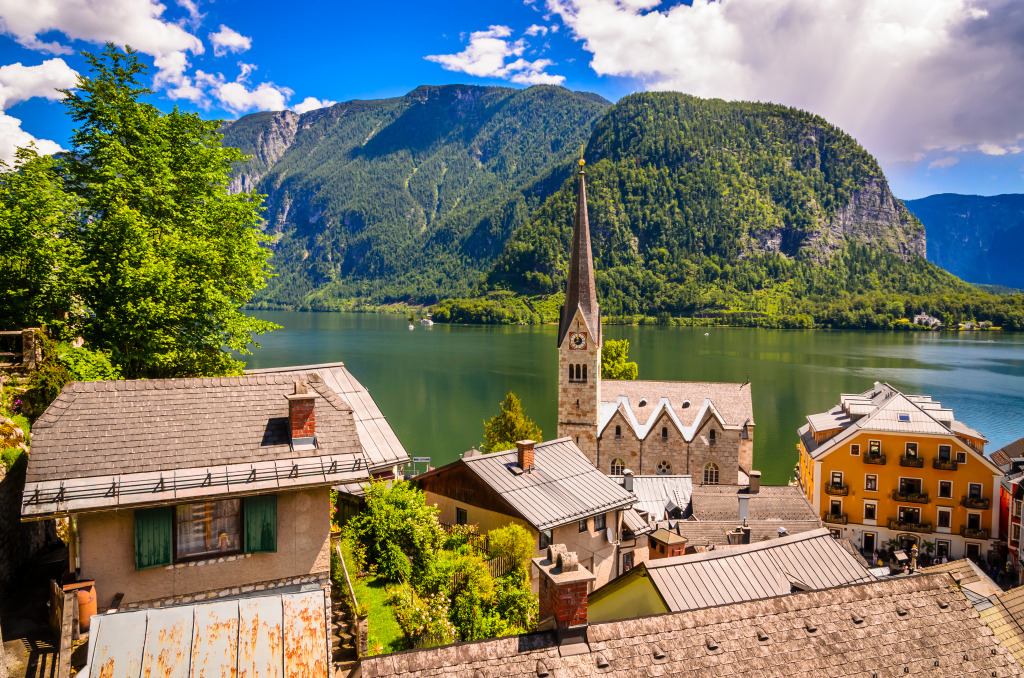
(968, 546)
(1016, 507)
(870, 521)
(949, 448)
(961, 457)
(833, 502)
(1014, 532)
(899, 482)
(917, 451)
(938, 489)
(870, 475)
(871, 443)
(981, 519)
(901, 508)
(948, 511)
(832, 479)
(855, 450)
(981, 489)
(949, 548)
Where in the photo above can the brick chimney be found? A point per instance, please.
(563, 597)
(524, 454)
(755, 482)
(302, 414)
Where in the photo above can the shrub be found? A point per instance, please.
(424, 620)
(513, 541)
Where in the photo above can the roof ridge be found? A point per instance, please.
(741, 549)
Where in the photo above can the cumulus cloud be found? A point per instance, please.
(20, 83)
(195, 17)
(311, 104)
(237, 97)
(226, 40)
(943, 163)
(487, 56)
(903, 77)
(536, 29)
(13, 137)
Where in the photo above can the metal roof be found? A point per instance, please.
(263, 636)
(380, 444)
(808, 561)
(563, 486)
(658, 494)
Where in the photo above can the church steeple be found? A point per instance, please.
(580, 290)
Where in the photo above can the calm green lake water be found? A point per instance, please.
(436, 385)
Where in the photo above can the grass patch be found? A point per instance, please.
(386, 635)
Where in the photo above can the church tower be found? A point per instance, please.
(579, 340)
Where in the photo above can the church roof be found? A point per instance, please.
(580, 290)
(685, 402)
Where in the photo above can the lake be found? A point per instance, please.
(437, 385)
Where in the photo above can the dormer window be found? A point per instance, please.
(643, 402)
(904, 417)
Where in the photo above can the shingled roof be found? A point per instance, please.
(1006, 619)
(777, 503)
(918, 625)
(1005, 454)
(111, 443)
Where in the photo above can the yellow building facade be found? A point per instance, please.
(883, 465)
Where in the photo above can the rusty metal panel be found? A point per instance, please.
(168, 648)
(115, 645)
(215, 641)
(305, 635)
(260, 634)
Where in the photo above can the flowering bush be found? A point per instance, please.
(424, 620)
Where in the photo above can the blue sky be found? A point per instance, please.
(931, 87)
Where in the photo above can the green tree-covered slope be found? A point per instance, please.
(408, 198)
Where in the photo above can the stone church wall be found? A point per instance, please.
(626, 447)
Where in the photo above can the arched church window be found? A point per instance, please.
(711, 473)
(664, 433)
(618, 431)
(578, 372)
(711, 436)
(664, 467)
(618, 466)
(584, 373)
(572, 375)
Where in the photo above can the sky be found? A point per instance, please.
(932, 88)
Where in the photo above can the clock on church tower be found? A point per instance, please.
(578, 341)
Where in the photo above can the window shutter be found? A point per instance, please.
(153, 540)
(260, 515)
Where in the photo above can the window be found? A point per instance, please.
(974, 551)
(618, 431)
(584, 373)
(835, 507)
(974, 521)
(711, 436)
(599, 522)
(583, 526)
(837, 478)
(946, 489)
(711, 473)
(941, 548)
(945, 453)
(627, 562)
(911, 450)
(874, 447)
(153, 537)
(909, 515)
(836, 534)
(945, 518)
(461, 517)
(664, 433)
(572, 374)
(544, 539)
(664, 467)
(961, 457)
(974, 490)
(578, 373)
(871, 483)
(855, 450)
(910, 485)
(618, 466)
(1016, 508)
(870, 510)
(1015, 532)
(904, 417)
(207, 528)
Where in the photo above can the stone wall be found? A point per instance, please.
(19, 542)
(725, 452)
(625, 447)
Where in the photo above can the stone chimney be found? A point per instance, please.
(563, 597)
(755, 482)
(627, 480)
(744, 507)
(302, 414)
(524, 454)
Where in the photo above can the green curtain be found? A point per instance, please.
(153, 539)
(260, 514)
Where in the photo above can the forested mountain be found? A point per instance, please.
(978, 238)
(405, 198)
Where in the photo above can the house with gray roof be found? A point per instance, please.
(549, 488)
(189, 489)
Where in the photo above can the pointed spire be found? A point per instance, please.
(580, 290)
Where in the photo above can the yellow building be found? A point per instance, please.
(882, 465)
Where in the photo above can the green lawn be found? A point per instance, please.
(385, 634)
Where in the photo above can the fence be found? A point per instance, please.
(496, 566)
(64, 623)
(479, 542)
(360, 627)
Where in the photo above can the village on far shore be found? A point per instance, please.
(209, 525)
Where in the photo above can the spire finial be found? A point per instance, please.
(582, 161)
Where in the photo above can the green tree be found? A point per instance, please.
(614, 357)
(508, 426)
(40, 256)
(512, 541)
(172, 255)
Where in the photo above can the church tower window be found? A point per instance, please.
(711, 473)
(664, 467)
(584, 373)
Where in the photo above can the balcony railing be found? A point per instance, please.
(944, 464)
(911, 497)
(913, 462)
(923, 528)
(974, 502)
(974, 533)
(835, 518)
(874, 459)
(837, 490)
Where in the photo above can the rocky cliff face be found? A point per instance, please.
(269, 146)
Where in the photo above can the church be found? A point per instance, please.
(701, 429)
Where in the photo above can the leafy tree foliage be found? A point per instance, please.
(512, 541)
(615, 360)
(509, 426)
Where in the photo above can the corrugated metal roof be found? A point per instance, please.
(563, 486)
(268, 636)
(809, 561)
(381, 445)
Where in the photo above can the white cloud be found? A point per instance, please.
(236, 97)
(536, 29)
(943, 163)
(19, 82)
(13, 137)
(311, 104)
(226, 40)
(487, 54)
(903, 77)
(195, 17)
